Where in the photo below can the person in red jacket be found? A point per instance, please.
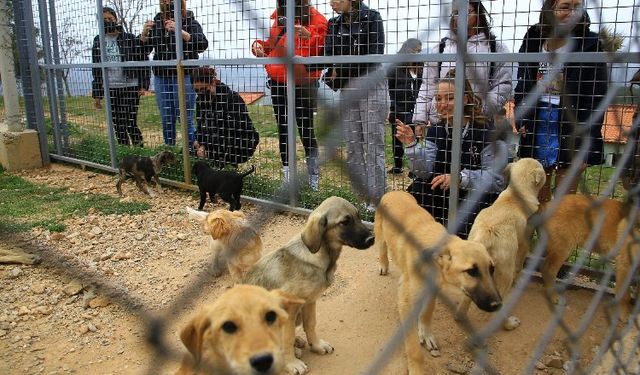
(309, 32)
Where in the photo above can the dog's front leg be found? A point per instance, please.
(294, 365)
(157, 180)
(309, 323)
(415, 354)
(203, 198)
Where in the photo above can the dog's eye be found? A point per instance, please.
(473, 272)
(270, 317)
(229, 327)
(346, 221)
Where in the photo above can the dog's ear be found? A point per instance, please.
(444, 258)
(217, 227)
(540, 177)
(314, 232)
(507, 173)
(238, 214)
(192, 335)
(289, 302)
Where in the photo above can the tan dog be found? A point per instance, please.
(305, 267)
(502, 227)
(234, 243)
(571, 225)
(408, 231)
(13, 254)
(242, 333)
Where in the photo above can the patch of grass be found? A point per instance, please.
(24, 205)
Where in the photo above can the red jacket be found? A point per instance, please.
(303, 47)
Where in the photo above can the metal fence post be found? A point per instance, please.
(291, 108)
(182, 94)
(60, 97)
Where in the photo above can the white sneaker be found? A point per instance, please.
(285, 173)
(370, 208)
(314, 182)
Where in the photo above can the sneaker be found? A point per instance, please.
(314, 182)
(285, 173)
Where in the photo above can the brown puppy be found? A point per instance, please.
(242, 333)
(571, 225)
(502, 227)
(234, 243)
(143, 170)
(409, 232)
(305, 267)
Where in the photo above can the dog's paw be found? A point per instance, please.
(297, 367)
(297, 352)
(511, 323)
(300, 342)
(321, 347)
(428, 340)
(384, 270)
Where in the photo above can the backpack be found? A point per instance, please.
(492, 48)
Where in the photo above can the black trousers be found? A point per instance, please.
(305, 102)
(125, 102)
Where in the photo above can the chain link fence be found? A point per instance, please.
(146, 91)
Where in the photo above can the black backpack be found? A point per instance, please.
(492, 48)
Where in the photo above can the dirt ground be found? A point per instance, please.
(50, 324)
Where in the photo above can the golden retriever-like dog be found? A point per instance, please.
(502, 227)
(305, 267)
(234, 243)
(242, 333)
(570, 226)
(409, 232)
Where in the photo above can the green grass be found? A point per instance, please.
(24, 205)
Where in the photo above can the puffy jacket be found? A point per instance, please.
(362, 36)
(585, 84)
(163, 43)
(313, 46)
(131, 49)
(494, 91)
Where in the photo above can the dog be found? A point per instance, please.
(144, 170)
(234, 243)
(11, 254)
(227, 184)
(502, 227)
(410, 233)
(306, 267)
(241, 333)
(571, 225)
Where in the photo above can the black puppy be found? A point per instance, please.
(227, 184)
(143, 169)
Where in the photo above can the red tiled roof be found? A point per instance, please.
(251, 97)
(617, 123)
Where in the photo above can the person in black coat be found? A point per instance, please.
(558, 125)
(126, 84)
(225, 132)
(158, 36)
(404, 84)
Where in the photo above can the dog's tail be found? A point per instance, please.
(195, 214)
(245, 174)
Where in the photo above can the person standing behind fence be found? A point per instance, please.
(491, 81)
(159, 36)
(310, 30)
(404, 83)
(358, 30)
(225, 133)
(554, 128)
(125, 83)
(482, 160)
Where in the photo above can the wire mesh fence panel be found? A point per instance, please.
(513, 126)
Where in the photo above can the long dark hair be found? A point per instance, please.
(548, 25)
(302, 11)
(484, 19)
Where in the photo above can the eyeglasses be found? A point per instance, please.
(456, 13)
(565, 8)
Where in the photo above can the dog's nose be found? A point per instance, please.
(495, 305)
(262, 362)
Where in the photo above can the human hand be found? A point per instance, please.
(170, 25)
(404, 133)
(523, 132)
(97, 103)
(257, 49)
(146, 28)
(334, 74)
(443, 180)
(421, 129)
(302, 32)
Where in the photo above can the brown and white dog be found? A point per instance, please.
(233, 241)
(502, 227)
(143, 170)
(242, 333)
(305, 267)
(410, 233)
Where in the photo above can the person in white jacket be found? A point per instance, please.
(491, 81)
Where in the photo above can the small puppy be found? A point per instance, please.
(227, 184)
(412, 235)
(502, 227)
(306, 266)
(144, 169)
(242, 333)
(234, 243)
(571, 225)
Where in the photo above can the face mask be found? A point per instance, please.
(110, 27)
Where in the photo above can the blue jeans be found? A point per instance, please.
(167, 99)
(547, 135)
